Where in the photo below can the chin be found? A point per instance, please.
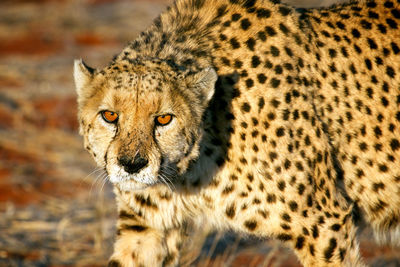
(127, 182)
(130, 185)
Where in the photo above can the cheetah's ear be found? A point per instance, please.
(83, 74)
(205, 83)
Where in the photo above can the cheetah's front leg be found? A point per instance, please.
(139, 245)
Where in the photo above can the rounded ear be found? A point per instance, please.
(204, 83)
(83, 75)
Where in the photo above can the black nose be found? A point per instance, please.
(133, 165)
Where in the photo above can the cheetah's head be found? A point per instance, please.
(142, 123)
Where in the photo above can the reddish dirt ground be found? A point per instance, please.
(55, 207)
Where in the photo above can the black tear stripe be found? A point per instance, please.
(106, 154)
(192, 142)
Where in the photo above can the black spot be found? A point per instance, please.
(254, 133)
(315, 231)
(221, 10)
(355, 33)
(340, 25)
(383, 168)
(248, 3)
(250, 224)
(246, 107)
(274, 51)
(293, 206)
(395, 13)
(236, 17)
(283, 28)
(284, 237)
(378, 186)
(230, 211)
(301, 189)
(270, 31)
(284, 10)
(261, 78)
(125, 215)
(386, 51)
(300, 242)
(225, 61)
(255, 61)
(335, 227)
(145, 201)
(370, 92)
(275, 82)
(280, 132)
(238, 64)
(325, 33)
(328, 252)
(353, 68)
(332, 67)
(263, 13)
(332, 53)
(271, 198)
(363, 146)
(394, 144)
(273, 156)
(366, 24)
(245, 24)
(372, 43)
(228, 189)
(311, 248)
(299, 166)
(382, 28)
(390, 71)
(249, 83)
(368, 63)
(275, 103)
(289, 53)
(384, 101)
(392, 24)
(234, 43)
(261, 102)
(268, 64)
(388, 4)
(223, 37)
(251, 43)
(278, 69)
(255, 148)
(261, 35)
(395, 48)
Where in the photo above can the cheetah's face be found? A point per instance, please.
(143, 126)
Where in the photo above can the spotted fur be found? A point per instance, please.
(286, 124)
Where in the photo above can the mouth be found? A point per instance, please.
(145, 178)
(126, 181)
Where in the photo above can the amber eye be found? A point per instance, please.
(109, 116)
(163, 119)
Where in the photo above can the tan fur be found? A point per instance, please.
(298, 139)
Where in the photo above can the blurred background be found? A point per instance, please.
(55, 207)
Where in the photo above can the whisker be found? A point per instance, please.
(105, 179)
(97, 180)
(164, 181)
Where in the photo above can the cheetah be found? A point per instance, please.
(252, 116)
